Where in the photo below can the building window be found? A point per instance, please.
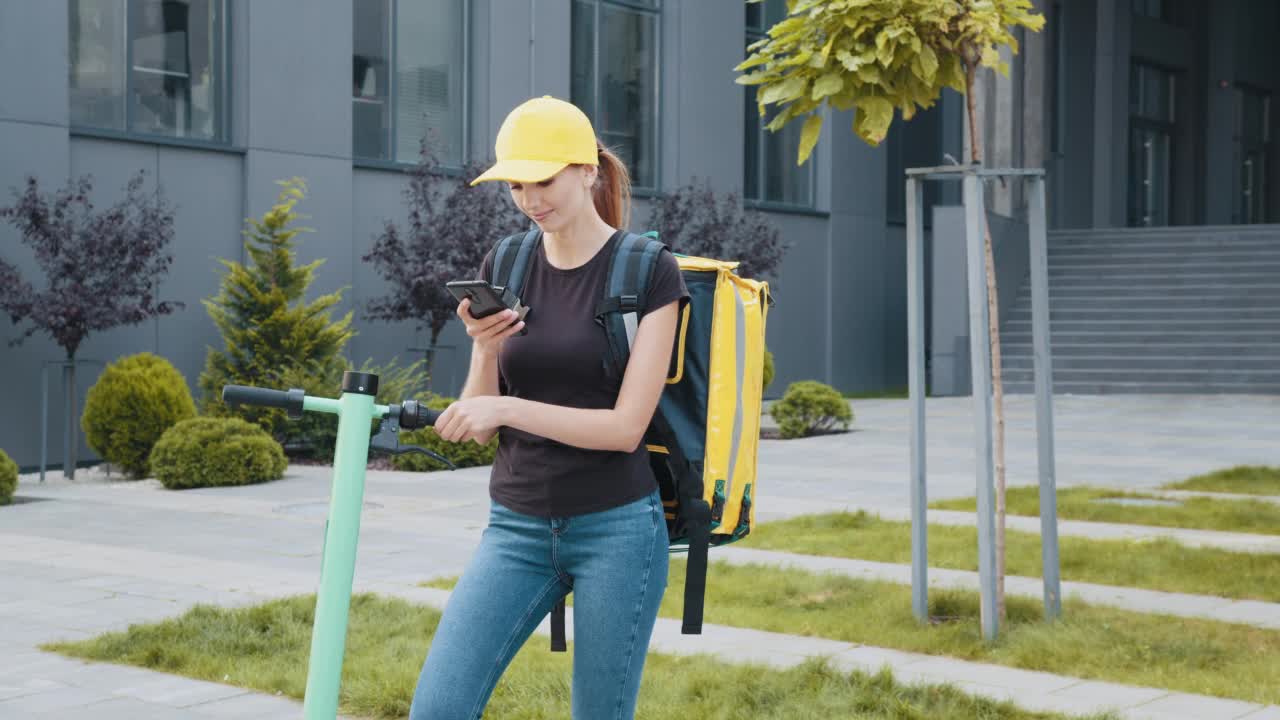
(1151, 132)
(408, 81)
(770, 173)
(151, 67)
(1252, 146)
(614, 56)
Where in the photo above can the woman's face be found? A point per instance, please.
(555, 202)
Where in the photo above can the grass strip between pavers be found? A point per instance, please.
(1204, 657)
(1242, 479)
(1153, 565)
(1085, 503)
(265, 648)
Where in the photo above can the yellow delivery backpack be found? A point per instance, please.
(704, 437)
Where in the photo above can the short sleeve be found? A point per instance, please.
(667, 284)
(486, 266)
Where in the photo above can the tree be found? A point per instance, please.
(272, 337)
(102, 269)
(451, 227)
(876, 56)
(693, 220)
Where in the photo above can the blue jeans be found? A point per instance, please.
(614, 561)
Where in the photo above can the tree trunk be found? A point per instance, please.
(997, 384)
(69, 427)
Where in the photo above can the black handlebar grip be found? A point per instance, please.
(414, 414)
(428, 416)
(290, 401)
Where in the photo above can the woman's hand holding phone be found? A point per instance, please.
(489, 332)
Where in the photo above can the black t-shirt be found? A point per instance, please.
(561, 361)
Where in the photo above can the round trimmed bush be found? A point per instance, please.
(463, 454)
(135, 400)
(8, 478)
(210, 452)
(810, 407)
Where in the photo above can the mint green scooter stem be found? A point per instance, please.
(355, 410)
(338, 561)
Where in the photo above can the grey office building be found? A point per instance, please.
(1153, 119)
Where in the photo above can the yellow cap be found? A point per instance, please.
(540, 138)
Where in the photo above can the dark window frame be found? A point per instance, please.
(1167, 126)
(389, 162)
(654, 9)
(1252, 146)
(761, 199)
(221, 91)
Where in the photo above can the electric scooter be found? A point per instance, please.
(355, 410)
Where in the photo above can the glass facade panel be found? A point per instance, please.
(151, 67)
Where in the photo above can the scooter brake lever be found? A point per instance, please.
(388, 440)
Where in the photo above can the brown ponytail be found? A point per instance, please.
(612, 193)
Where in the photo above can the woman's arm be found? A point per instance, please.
(487, 335)
(621, 428)
(482, 379)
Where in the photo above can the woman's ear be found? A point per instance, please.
(589, 175)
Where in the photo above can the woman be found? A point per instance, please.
(575, 505)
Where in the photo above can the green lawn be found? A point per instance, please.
(1155, 565)
(265, 648)
(1244, 479)
(1195, 656)
(1083, 503)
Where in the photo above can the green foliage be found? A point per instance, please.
(463, 454)
(8, 478)
(209, 452)
(768, 368)
(135, 400)
(271, 336)
(810, 407)
(395, 384)
(875, 56)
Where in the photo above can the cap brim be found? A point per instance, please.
(521, 171)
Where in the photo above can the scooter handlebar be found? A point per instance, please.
(290, 401)
(414, 414)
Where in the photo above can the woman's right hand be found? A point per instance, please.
(489, 332)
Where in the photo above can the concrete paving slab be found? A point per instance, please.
(122, 708)
(1186, 707)
(64, 699)
(177, 691)
(249, 706)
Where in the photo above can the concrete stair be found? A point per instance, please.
(1161, 310)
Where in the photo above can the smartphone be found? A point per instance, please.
(486, 299)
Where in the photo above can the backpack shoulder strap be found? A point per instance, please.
(626, 286)
(511, 259)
